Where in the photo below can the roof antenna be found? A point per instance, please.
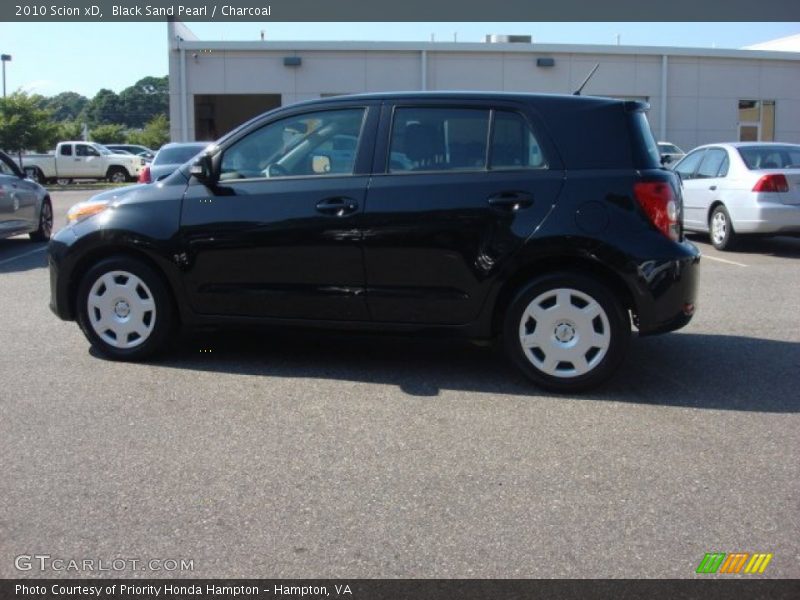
(585, 81)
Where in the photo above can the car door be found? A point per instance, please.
(277, 236)
(17, 199)
(710, 180)
(694, 197)
(457, 188)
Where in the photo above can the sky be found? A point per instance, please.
(49, 58)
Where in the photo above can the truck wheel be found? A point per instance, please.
(117, 175)
(124, 309)
(42, 234)
(566, 331)
(34, 174)
(63, 181)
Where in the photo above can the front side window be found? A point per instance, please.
(712, 162)
(311, 144)
(513, 144)
(438, 139)
(688, 165)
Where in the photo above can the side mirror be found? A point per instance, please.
(203, 169)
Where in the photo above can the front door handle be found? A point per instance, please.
(338, 206)
(511, 200)
(712, 188)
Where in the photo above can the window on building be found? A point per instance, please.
(756, 120)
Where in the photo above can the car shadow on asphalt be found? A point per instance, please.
(723, 372)
(20, 254)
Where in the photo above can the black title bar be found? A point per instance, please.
(398, 10)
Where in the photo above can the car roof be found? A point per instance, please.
(745, 144)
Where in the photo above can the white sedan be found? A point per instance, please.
(736, 189)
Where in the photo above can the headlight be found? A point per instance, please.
(84, 210)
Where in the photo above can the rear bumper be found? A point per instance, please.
(666, 291)
(767, 217)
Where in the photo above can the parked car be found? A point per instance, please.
(738, 189)
(135, 149)
(670, 153)
(25, 206)
(500, 220)
(81, 160)
(169, 158)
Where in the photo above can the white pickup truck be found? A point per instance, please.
(81, 160)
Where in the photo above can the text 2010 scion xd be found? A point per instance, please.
(545, 221)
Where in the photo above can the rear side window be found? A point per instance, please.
(438, 139)
(688, 165)
(513, 144)
(712, 163)
(66, 150)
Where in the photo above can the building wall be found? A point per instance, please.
(702, 92)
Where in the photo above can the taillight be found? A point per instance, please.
(144, 175)
(772, 182)
(660, 204)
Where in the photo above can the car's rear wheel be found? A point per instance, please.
(124, 309)
(720, 228)
(566, 331)
(42, 234)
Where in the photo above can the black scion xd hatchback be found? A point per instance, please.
(545, 221)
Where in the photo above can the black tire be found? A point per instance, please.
(563, 337)
(720, 229)
(162, 318)
(42, 234)
(117, 175)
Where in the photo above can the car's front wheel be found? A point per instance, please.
(566, 331)
(124, 309)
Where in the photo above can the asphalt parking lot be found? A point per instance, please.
(278, 454)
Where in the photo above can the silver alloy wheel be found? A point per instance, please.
(63, 181)
(121, 309)
(564, 332)
(46, 220)
(719, 227)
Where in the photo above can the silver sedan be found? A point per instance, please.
(745, 188)
(25, 206)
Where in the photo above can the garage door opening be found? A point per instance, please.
(216, 114)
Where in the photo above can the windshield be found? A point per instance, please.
(102, 149)
(177, 155)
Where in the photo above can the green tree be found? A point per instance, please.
(66, 106)
(70, 130)
(154, 135)
(108, 134)
(142, 101)
(105, 107)
(24, 125)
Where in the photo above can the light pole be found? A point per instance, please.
(6, 58)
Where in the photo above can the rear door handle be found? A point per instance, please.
(511, 200)
(338, 206)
